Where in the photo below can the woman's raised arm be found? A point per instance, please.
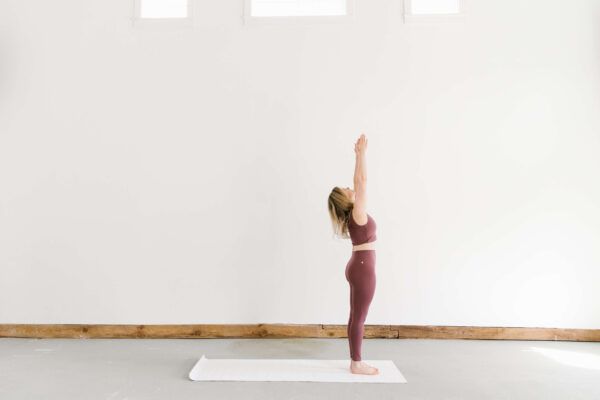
(359, 212)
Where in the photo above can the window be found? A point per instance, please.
(434, 6)
(164, 13)
(297, 8)
(432, 9)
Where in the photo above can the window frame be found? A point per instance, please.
(249, 19)
(138, 21)
(434, 17)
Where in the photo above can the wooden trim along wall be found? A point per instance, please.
(292, 331)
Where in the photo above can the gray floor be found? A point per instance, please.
(435, 369)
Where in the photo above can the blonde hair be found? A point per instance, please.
(339, 207)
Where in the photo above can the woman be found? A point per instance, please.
(347, 209)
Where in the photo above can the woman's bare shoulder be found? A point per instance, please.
(360, 217)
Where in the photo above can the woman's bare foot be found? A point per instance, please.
(359, 367)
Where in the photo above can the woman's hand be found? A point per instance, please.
(360, 147)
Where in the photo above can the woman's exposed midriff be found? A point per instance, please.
(365, 246)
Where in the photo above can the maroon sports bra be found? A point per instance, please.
(360, 234)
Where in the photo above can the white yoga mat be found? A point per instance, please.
(291, 370)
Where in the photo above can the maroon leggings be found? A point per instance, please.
(360, 273)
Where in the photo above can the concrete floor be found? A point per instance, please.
(435, 369)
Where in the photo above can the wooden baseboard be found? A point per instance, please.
(292, 331)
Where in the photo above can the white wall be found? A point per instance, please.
(181, 175)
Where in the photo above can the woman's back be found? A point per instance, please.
(362, 234)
